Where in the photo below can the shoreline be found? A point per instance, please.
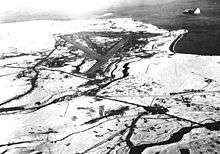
(173, 44)
(140, 89)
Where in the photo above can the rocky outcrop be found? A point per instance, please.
(195, 11)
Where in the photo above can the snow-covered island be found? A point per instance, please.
(105, 86)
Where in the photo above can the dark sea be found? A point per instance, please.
(204, 29)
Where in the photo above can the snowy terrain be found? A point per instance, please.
(143, 99)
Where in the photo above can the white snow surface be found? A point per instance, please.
(149, 78)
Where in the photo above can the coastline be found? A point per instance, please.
(144, 95)
(173, 44)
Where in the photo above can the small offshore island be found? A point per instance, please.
(105, 86)
(194, 11)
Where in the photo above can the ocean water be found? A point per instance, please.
(204, 29)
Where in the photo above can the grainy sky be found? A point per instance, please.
(15, 10)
